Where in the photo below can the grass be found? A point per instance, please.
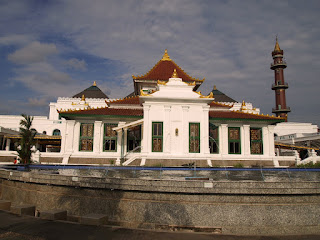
(309, 165)
(238, 165)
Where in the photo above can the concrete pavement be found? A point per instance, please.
(13, 227)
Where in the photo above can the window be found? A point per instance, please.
(194, 137)
(86, 137)
(213, 138)
(157, 136)
(56, 132)
(256, 141)
(109, 138)
(134, 139)
(234, 140)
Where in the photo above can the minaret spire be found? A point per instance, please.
(277, 47)
(279, 85)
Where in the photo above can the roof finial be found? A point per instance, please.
(83, 98)
(214, 87)
(94, 83)
(175, 74)
(277, 47)
(166, 56)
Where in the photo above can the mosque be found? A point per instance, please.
(165, 121)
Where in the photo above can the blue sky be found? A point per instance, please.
(51, 49)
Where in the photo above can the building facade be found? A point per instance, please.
(164, 122)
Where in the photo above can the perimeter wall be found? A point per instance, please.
(256, 208)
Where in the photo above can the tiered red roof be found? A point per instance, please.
(163, 71)
(127, 101)
(104, 111)
(215, 104)
(241, 115)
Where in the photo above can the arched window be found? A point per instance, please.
(44, 132)
(56, 132)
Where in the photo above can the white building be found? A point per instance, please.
(163, 122)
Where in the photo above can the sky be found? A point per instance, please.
(51, 49)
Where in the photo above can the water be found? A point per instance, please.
(215, 174)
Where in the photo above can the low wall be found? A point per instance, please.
(266, 208)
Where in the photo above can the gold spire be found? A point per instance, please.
(175, 74)
(277, 47)
(83, 98)
(243, 103)
(166, 56)
(214, 87)
(94, 83)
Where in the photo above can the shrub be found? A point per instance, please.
(238, 165)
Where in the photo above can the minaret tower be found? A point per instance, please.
(279, 85)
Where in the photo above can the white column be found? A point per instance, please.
(223, 139)
(265, 141)
(185, 129)
(205, 131)
(167, 138)
(8, 144)
(245, 140)
(97, 137)
(145, 143)
(125, 141)
(76, 137)
(271, 139)
(67, 138)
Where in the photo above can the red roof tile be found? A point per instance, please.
(241, 115)
(163, 71)
(105, 111)
(128, 100)
(215, 104)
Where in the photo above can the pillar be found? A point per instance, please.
(185, 129)
(245, 140)
(224, 139)
(97, 137)
(205, 131)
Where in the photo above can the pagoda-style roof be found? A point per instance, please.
(215, 104)
(103, 111)
(220, 96)
(240, 116)
(163, 71)
(134, 100)
(91, 92)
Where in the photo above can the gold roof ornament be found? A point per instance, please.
(94, 83)
(161, 82)
(214, 87)
(277, 47)
(175, 74)
(166, 56)
(83, 98)
(143, 94)
(192, 83)
(209, 96)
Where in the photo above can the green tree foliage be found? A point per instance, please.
(27, 139)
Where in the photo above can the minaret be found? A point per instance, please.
(279, 85)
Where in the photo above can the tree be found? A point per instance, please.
(27, 140)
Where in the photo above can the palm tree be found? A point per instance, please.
(27, 139)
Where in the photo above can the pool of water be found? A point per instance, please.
(178, 173)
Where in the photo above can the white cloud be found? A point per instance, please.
(32, 53)
(76, 64)
(16, 39)
(38, 102)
